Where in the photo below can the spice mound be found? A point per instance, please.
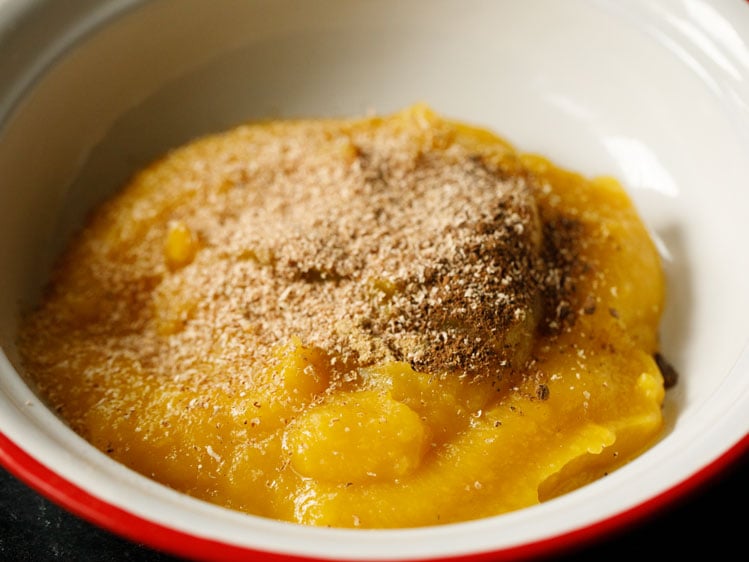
(374, 322)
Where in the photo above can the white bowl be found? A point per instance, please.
(654, 93)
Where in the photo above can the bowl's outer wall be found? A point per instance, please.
(90, 90)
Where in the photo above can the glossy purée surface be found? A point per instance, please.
(654, 93)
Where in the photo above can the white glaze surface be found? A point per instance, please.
(654, 93)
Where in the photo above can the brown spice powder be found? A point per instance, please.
(373, 243)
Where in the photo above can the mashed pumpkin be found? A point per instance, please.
(382, 322)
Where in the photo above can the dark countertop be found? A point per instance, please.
(33, 529)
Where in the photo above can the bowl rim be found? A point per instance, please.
(111, 517)
(114, 519)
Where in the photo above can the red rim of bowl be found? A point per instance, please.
(132, 527)
(166, 539)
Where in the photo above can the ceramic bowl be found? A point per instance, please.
(653, 93)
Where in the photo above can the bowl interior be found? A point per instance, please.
(654, 96)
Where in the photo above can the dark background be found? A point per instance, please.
(711, 520)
